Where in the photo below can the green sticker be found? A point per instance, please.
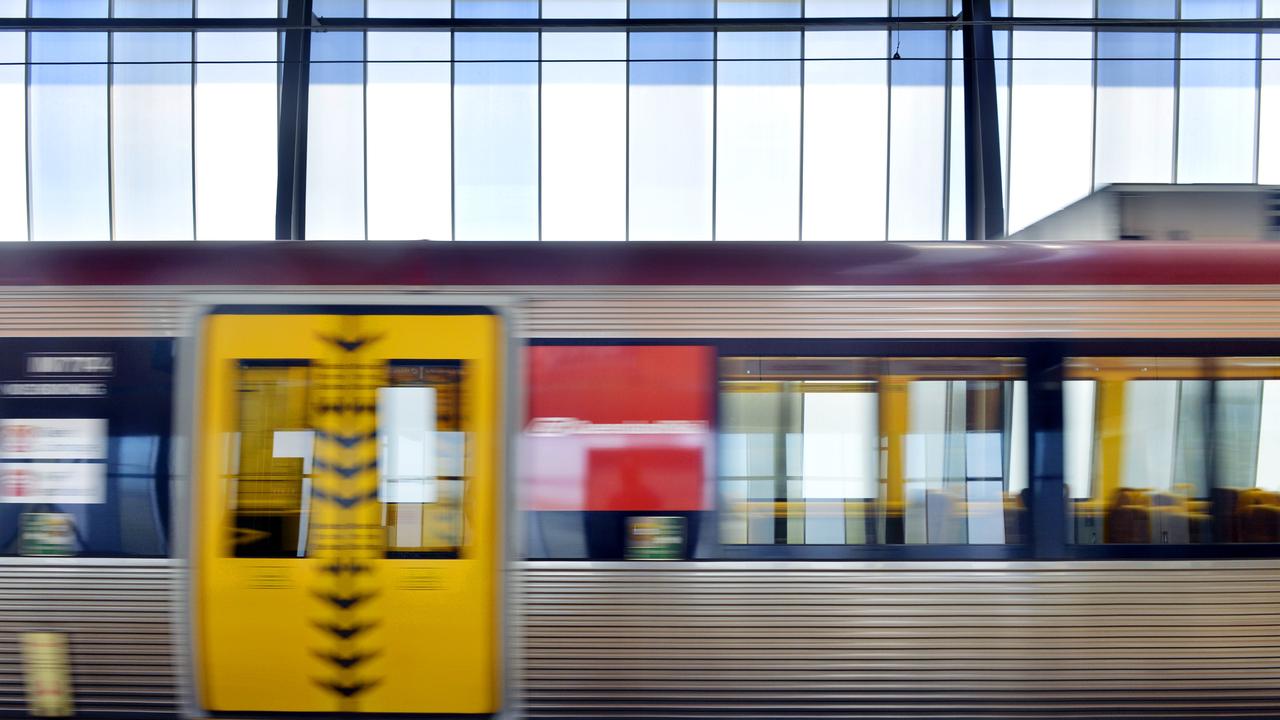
(47, 534)
(655, 538)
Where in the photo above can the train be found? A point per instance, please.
(643, 480)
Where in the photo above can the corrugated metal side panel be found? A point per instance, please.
(912, 313)
(97, 313)
(118, 619)
(736, 640)
(926, 312)
(731, 640)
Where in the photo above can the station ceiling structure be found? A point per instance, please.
(617, 119)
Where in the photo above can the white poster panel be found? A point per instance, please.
(53, 439)
(407, 444)
(55, 483)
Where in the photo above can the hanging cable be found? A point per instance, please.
(897, 29)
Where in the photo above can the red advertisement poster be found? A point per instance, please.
(622, 428)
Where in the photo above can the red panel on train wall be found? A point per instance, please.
(624, 428)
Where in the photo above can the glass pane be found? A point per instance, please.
(421, 458)
(758, 148)
(1135, 95)
(1238, 415)
(615, 437)
(1268, 465)
(1269, 112)
(496, 137)
(1051, 141)
(584, 8)
(272, 461)
(335, 140)
(584, 137)
(1214, 9)
(151, 135)
(410, 147)
(235, 133)
(1216, 108)
(1172, 450)
(336, 9)
(1078, 398)
(68, 136)
(846, 135)
(956, 229)
(1135, 121)
(496, 8)
(409, 8)
(237, 8)
(670, 117)
(68, 8)
(672, 8)
(846, 8)
(13, 136)
(1137, 8)
(98, 471)
(670, 153)
(757, 127)
(835, 451)
(756, 8)
(917, 125)
(152, 9)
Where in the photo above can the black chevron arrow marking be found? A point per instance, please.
(346, 441)
(346, 662)
(347, 689)
(346, 471)
(345, 632)
(339, 567)
(351, 344)
(346, 602)
(344, 501)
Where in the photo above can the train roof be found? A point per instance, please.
(424, 263)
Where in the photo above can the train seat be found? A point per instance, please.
(1262, 523)
(1129, 519)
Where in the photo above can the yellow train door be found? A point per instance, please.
(346, 509)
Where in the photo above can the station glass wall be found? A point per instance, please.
(815, 135)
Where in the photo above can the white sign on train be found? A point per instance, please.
(53, 483)
(52, 389)
(58, 364)
(53, 438)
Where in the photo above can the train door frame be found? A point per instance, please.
(187, 407)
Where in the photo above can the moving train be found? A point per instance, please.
(807, 480)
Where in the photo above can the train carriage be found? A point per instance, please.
(644, 480)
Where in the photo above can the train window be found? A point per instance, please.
(85, 473)
(270, 461)
(617, 452)
(281, 502)
(421, 458)
(1172, 450)
(839, 451)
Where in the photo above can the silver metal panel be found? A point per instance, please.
(636, 312)
(118, 619)
(57, 312)
(739, 639)
(733, 640)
